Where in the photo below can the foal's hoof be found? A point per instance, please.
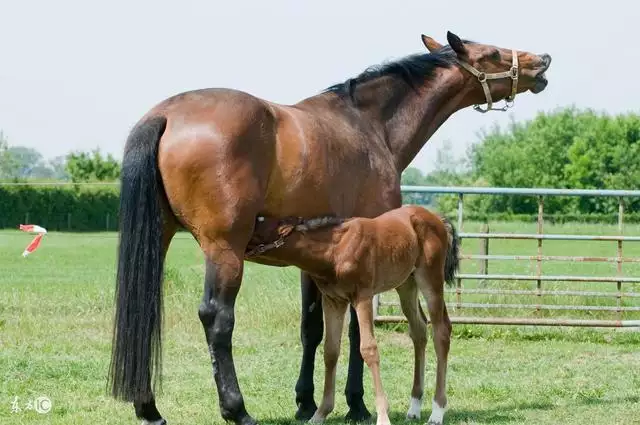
(317, 419)
(306, 410)
(358, 413)
(415, 406)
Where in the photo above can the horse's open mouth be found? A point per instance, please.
(540, 83)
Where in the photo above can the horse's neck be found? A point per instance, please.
(406, 117)
(422, 113)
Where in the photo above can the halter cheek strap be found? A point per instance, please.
(483, 77)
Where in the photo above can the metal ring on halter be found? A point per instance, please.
(483, 77)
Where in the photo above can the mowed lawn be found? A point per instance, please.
(56, 308)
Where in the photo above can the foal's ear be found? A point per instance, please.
(456, 44)
(430, 43)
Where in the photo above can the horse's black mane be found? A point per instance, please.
(412, 69)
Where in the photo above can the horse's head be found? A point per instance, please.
(495, 73)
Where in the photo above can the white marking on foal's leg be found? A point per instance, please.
(437, 414)
(158, 422)
(415, 406)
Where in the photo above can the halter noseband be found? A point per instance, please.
(483, 77)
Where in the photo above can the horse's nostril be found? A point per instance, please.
(546, 59)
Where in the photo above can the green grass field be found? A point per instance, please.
(55, 328)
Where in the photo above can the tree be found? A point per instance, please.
(25, 159)
(568, 148)
(83, 167)
(58, 166)
(8, 165)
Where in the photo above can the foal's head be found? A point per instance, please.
(491, 72)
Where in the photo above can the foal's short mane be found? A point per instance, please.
(318, 223)
(413, 70)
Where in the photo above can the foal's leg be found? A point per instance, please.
(369, 351)
(311, 328)
(431, 283)
(410, 304)
(224, 267)
(334, 311)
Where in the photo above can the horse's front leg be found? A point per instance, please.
(354, 391)
(311, 328)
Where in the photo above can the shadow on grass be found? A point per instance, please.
(504, 414)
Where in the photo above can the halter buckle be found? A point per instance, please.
(482, 77)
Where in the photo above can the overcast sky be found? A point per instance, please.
(78, 74)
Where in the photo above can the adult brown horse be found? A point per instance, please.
(211, 161)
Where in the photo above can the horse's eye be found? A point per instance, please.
(495, 56)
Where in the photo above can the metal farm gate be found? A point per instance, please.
(535, 298)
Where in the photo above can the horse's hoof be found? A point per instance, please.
(158, 422)
(306, 411)
(248, 420)
(358, 413)
(432, 422)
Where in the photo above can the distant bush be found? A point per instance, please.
(75, 208)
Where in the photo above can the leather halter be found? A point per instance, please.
(483, 77)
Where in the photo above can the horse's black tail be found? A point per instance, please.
(136, 350)
(452, 261)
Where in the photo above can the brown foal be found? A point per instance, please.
(351, 260)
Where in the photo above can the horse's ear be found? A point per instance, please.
(456, 44)
(430, 43)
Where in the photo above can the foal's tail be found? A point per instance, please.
(137, 332)
(452, 261)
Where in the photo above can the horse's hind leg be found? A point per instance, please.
(431, 283)
(223, 276)
(334, 311)
(410, 304)
(147, 410)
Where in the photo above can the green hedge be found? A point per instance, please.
(68, 208)
(95, 208)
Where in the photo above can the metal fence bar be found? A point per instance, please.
(549, 258)
(535, 292)
(539, 260)
(562, 278)
(524, 321)
(518, 191)
(537, 306)
(557, 237)
(619, 263)
(459, 280)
